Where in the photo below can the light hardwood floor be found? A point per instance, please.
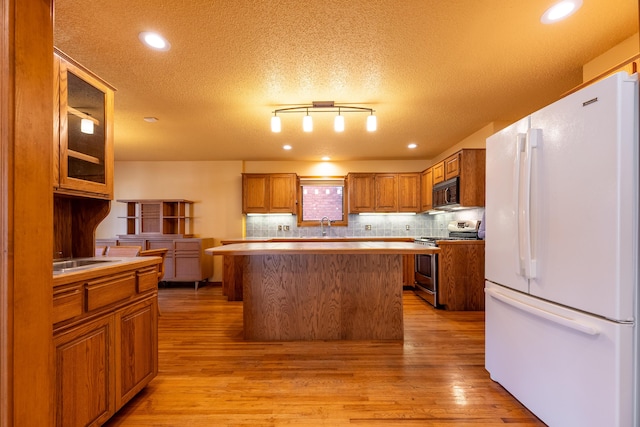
(209, 376)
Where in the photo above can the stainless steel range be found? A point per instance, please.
(426, 265)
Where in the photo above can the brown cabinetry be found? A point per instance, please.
(269, 193)
(452, 166)
(438, 172)
(82, 160)
(83, 131)
(426, 189)
(384, 192)
(461, 275)
(446, 169)
(408, 270)
(105, 342)
(361, 192)
(386, 188)
(469, 166)
(409, 192)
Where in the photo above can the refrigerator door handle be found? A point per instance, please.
(521, 139)
(533, 138)
(538, 312)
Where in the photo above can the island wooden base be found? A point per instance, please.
(322, 297)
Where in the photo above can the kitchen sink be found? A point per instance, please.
(77, 264)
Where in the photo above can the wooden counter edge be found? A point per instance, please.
(265, 248)
(117, 266)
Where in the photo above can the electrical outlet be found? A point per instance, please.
(279, 228)
(407, 227)
(367, 227)
(286, 228)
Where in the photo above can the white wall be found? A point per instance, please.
(611, 58)
(215, 187)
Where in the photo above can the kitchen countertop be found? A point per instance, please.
(321, 239)
(116, 265)
(321, 247)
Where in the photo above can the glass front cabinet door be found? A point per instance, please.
(83, 131)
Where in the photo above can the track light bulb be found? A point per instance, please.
(372, 123)
(307, 124)
(276, 125)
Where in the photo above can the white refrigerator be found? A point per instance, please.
(562, 234)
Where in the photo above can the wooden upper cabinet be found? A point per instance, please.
(282, 193)
(255, 193)
(452, 166)
(386, 190)
(361, 192)
(83, 131)
(468, 165)
(409, 192)
(426, 190)
(472, 176)
(438, 172)
(269, 193)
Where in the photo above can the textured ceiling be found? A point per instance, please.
(435, 71)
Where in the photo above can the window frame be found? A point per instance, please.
(322, 180)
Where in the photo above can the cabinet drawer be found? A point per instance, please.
(147, 279)
(187, 246)
(67, 302)
(112, 289)
(160, 244)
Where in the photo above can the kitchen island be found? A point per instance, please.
(232, 269)
(321, 290)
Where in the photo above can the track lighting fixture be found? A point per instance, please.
(324, 107)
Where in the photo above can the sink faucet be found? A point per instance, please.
(324, 233)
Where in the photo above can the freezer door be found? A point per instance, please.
(568, 368)
(584, 199)
(504, 245)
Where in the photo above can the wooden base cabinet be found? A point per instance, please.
(85, 392)
(106, 343)
(137, 344)
(461, 274)
(408, 270)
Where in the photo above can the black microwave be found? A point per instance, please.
(446, 194)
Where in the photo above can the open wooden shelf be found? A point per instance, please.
(159, 217)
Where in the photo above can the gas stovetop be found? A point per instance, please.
(458, 230)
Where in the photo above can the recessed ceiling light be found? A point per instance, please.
(412, 146)
(560, 11)
(326, 158)
(150, 119)
(287, 147)
(154, 40)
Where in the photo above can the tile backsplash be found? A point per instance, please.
(381, 225)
